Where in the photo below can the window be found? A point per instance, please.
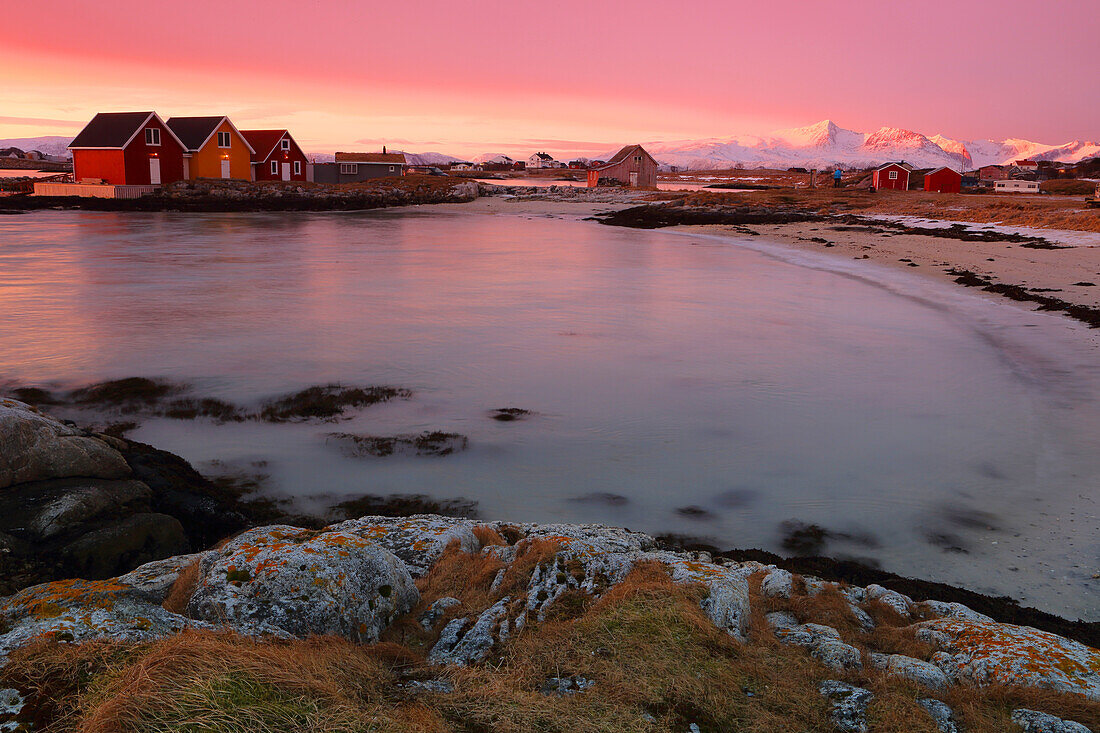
(274, 166)
(297, 167)
(349, 168)
(637, 159)
(391, 169)
(152, 136)
(284, 144)
(223, 139)
(893, 175)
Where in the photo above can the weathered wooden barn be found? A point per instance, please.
(943, 180)
(892, 176)
(632, 166)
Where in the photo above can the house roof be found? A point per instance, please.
(1022, 163)
(390, 158)
(544, 156)
(115, 130)
(625, 153)
(884, 166)
(195, 132)
(943, 168)
(263, 142)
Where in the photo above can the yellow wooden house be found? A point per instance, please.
(215, 148)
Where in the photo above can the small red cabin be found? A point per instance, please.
(632, 166)
(277, 156)
(893, 176)
(943, 180)
(127, 149)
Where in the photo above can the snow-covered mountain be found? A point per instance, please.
(50, 144)
(826, 144)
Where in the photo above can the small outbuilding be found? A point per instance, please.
(355, 167)
(892, 176)
(632, 166)
(943, 180)
(127, 149)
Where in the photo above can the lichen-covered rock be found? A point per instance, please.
(955, 610)
(79, 610)
(900, 602)
(778, 583)
(941, 713)
(434, 612)
(824, 642)
(462, 646)
(418, 540)
(919, 671)
(849, 703)
(836, 654)
(303, 582)
(985, 653)
(35, 447)
(11, 704)
(589, 539)
(565, 686)
(1032, 721)
(156, 578)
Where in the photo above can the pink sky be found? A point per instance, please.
(570, 76)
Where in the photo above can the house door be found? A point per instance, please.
(286, 171)
(633, 178)
(225, 169)
(154, 171)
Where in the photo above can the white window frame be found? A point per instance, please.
(297, 167)
(284, 144)
(274, 167)
(349, 169)
(391, 169)
(228, 140)
(152, 136)
(893, 175)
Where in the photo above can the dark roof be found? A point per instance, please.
(263, 142)
(194, 131)
(110, 130)
(625, 153)
(906, 166)
(544, 156)
(391, 158)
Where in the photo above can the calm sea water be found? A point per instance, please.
(682, 383)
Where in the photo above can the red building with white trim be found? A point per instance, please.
(943, 180)
(277, 157)
(892, 176)
(127, 149)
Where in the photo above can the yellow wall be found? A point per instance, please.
(206, 163)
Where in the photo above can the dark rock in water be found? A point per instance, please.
(803, 539)
(694, 512)
(404, 505)
(1084, 284)
(946, 542)
(327, 402)
(189, 408)
(34, 396)
(425, 444)
(1084, 313)
(673, 213)
(208, 513)
(602, 497)
(509, 414)
(131, 393)
(133, 541)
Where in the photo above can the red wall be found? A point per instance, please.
(263, 169)
(169, 152)
(110, 165)
(130, 167)
(945, 181)
(882, 178)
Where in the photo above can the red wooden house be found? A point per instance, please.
(943, 180)
(277, 157)
(127, 149)
(632, 166)
(894, 176)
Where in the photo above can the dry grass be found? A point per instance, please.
(487, 536)
(182, 589)
(657, 662)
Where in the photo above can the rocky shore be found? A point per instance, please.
(464, 624)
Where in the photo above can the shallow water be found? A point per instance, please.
(934, 430)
